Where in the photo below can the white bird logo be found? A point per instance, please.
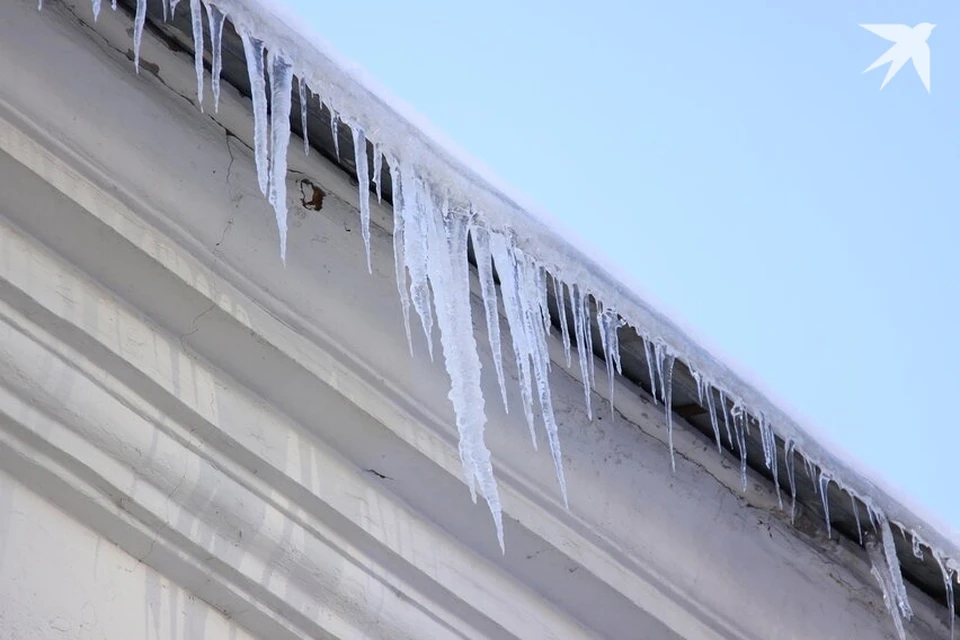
(909, 44)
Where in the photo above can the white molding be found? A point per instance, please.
(212, 392)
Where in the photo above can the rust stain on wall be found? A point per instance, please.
(311, 196)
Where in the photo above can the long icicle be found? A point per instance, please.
(583, 350)
(790, 464)
(541, 292)
(531, 284)
(770, 454)
(886, 586)
(488, 291)
(714, 419)
(739, 417)
(363, 185)
(335, 131)
(281, 89)
(139, 20)
(415, 250)
(725, 412)
(196, 18)
(562, 312)
(254, 53)
(609, 322)
(893, 563)
(216, 19)
(506, 262)
(588, 338)
(450, 282)
(665, 362)
(856, 517)
(824, 491)
(377, 167)
(399, 259)
(648, 356)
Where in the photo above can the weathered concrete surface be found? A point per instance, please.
(262, 439)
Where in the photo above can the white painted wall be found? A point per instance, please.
(260, 437)
(59, 579)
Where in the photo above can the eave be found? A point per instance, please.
(810, 519)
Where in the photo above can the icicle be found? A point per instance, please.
(856, 517)
(196, 18)
(658, 354)
(335, 131)
(139, 19)
(173, 7)
(281, 87)
(562, 311)
(812, 473)
(666, 382)
(488, 291)
(415, 250)
(588, 338)
(166, 9)
(698, 380)
(519, 284)
(531, 281)
(769, 440)
(872, 516)
(506, 264)
(113, 4)
(377, 164)
(304, 106)
(726, 417)
(609, 322)
(824, 486)
(648, 354)
(714, 420)
(892, 563)
(541, 287)
(948, 589)
(448, 273)
(776, 474)
(917, 551)
(216, 19)
(399, 259)
(96, 9)
(363, 182)
(739, 417)
(253, 51)
(886, 587)
(584, 352)
(765, 434)
(790, 464)
(665, 370)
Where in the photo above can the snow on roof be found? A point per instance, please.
(441, 196)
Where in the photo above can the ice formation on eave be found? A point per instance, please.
(439, 202)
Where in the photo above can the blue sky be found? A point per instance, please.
(734, 159)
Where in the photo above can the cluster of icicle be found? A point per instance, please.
(430, 248)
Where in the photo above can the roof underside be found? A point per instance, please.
(810, 518)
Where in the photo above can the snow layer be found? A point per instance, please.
(440, 198)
